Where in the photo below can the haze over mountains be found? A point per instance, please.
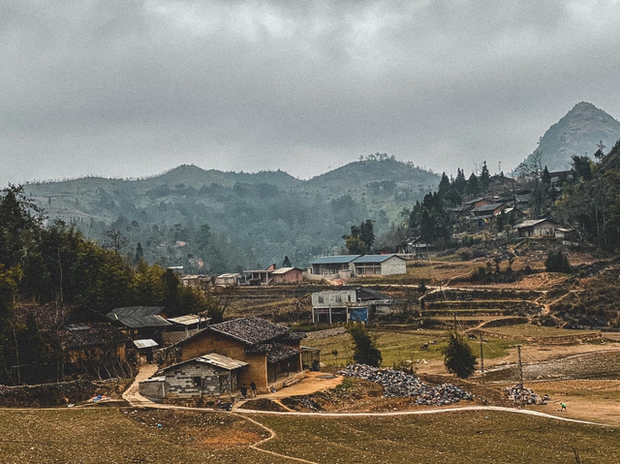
(214, 221)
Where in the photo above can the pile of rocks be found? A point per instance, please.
(399, 384)
(520, 394)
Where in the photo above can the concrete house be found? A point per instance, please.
(357, 304)
(228, 279)
(390, 264)
(272, 351)
(259, 276)
(537, 228)
(334, 266)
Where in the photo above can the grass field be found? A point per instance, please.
(110, 435)
(403, 345)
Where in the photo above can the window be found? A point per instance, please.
(321, 299)
(196, 381)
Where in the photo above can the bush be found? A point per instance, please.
(557, 261)
(459, 357)
(364, 351)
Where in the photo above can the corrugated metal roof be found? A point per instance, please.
(284, 270)
(532, 222)
(337, 259)
(373, 259)
(219, 360)
(145, 343)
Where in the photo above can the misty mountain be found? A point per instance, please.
(577, 133)
(214, 221)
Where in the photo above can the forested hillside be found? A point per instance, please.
(213, 221)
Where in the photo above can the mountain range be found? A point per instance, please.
(214, 221)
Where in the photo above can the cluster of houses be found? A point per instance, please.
(327, 267)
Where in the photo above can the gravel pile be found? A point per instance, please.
(520, 394)
(398, 384)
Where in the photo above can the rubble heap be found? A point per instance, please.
(398, 384)
(520, 394)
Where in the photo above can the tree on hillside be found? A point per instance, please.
(364, 346)
(557, 261)
(361, 239)
(459, 357)
(485, 178)
(472, 185)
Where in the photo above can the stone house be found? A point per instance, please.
(210, 375)
(272, 351)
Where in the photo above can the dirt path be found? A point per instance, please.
(132, 395)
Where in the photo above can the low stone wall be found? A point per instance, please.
(56, 394)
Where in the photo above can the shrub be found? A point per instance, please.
(459, 357)
(557, 261)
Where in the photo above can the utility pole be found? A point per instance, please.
(481, 356)
(521, 378)
(520, 366)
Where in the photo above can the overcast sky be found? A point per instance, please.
(132, 88)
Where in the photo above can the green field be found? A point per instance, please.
(402, 345)
(110, 435)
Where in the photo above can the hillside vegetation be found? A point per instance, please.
(213, 221)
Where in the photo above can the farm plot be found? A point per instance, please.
(597, 365)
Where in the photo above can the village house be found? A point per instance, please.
(210, 375)
(272, 351)
(89, 344)
(228, 279)
(489, 209)
(389, 264)
(287, 275)
(199, 281)
(354, 304)
(334, 266)
(141, 322)
(537, 228)
(259, 276)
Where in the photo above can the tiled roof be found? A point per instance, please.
(136, 317)
(81, 335)
(275, 352)
(250, 330)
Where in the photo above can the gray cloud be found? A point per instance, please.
(131, 88)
